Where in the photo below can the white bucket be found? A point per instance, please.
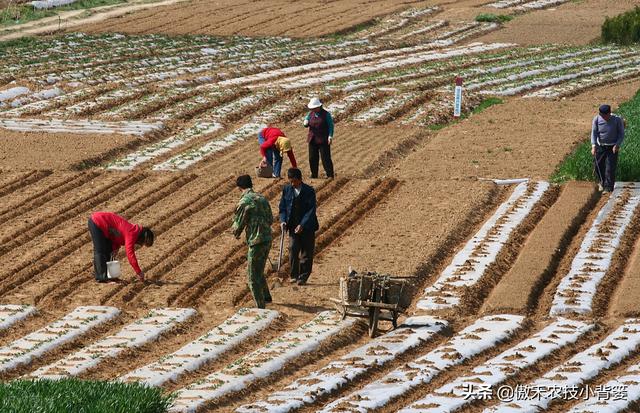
(113, 269)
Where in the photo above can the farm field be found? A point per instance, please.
(520, 281)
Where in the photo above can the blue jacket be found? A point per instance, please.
(307, 196)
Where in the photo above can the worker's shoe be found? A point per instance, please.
(293, 280)
(303, 280)
(268, 300)
(600, 187)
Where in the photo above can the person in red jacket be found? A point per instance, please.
(273, 144)
(109, 232)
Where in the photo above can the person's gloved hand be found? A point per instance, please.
(305, 123)
(140, 276)
(593, 150)
(330, 139)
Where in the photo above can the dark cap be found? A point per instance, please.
(605, 109)
(244, 182)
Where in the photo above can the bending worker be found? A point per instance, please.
(109, 232)
(253, 213)
(298, 218)
(273, 145)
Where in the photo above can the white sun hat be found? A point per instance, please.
(314, 103)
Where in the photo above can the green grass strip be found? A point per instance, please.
(78, 396)
(579, 164)
(493, 18)
(22, 13)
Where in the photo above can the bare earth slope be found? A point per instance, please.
(231, 17)
(575, 22)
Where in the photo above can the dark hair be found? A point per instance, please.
(244, 182)
(146, 237)
(604, 109)
(294, 173)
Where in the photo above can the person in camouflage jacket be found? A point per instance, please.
(253, 215)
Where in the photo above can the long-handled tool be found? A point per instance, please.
(598, 171)
(281, 250)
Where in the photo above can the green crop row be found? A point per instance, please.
(78, 396)
(579, 164)
(623, 28)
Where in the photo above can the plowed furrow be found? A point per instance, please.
(342, 222)
(233, 288)
(76, 240)
(96, 197)
(182, 251)
(78, 236)
(22, 181)
(45, 195)
(169, 218)
(209, 277)
(79, 239)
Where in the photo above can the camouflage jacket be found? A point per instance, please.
(253, 213)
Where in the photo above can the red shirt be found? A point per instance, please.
(270, 136)
(120, 232)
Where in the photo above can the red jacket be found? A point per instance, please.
(120, 232)
(270, 136)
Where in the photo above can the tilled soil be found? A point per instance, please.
(231, 17)
(32, 150)
(519, 138)
(403, 202)
(625, 302)
(539, 257)
(574, 22)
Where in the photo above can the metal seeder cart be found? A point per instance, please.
(374, 296)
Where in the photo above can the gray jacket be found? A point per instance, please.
(609, 133)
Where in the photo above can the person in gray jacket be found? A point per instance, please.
(607, 134)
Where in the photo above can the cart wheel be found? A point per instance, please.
(374, 315)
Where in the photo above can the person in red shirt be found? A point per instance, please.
(109, 232)
(273, 145)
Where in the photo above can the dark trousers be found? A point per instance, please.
(605, 163)
(301, 248)
(101, 251)
(315, 152)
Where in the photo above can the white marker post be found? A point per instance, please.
(457, 105)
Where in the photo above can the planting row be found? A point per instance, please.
(80, 126)
(577, 289)
(470, 263)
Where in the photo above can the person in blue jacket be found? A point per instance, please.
(298, 219)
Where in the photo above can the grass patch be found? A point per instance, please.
(482, 106)
(493, 18)
(579, 164)
(623, 28)
(78, 396)
(22, 13)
